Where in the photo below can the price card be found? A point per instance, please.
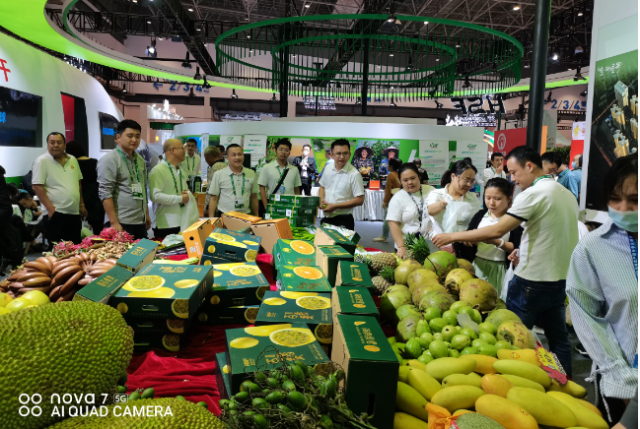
(551, 365)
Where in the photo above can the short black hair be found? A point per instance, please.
(408, 166)
(503, 185)
(494, 155)
(285, 142)
(395, 163)
(307, 145)
(74, 149)
(468, 160)
(55, 133)
(24, 196)
(192, 141)
(417, 161)
(457, 169)
(621, 170)
(127, 123)
(524, 154)
(579, 162)
(340, 142)
(551, 158)
(231, 146)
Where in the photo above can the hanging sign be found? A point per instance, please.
(435, 158)
(473, 105)
(477, 151)
(227, 140)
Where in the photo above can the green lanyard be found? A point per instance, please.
(175, 183)
(133, 156)
(281, 172)
(194, 162)
(546, 176)
(233, 185)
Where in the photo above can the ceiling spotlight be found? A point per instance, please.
(578, 75)
(555, 57)
(391, 55)
(197, 29)
(426, 22)
(151, 50)
(307, 6)
(358, 101)
(248, 36)
(437, 59)
(392, 25)
(580, 13)
(190, 9)
(191, 94)
(378, 66)
(206, 85)
(516, 7)
(392, 104)
(148, 22)
(234, 95)
(466, 83)
(186, 63)
(274, 97)
(494, 68)
(197, 75)
(549, 98)
(124, 89)
(526, 66)
(583, 93)
(438, 105)
(457, 46)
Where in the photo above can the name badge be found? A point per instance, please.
(136, 191)
(239, 205)
(280, 190)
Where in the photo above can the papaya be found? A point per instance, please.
(544, 408)
(472, 379)
(495, 384)
(408, 400)
(571, 388)
(403, 373)
(523, 382)
(590, 406)
(456, 397)
(425, 384)
(524, 370)
(442, 367)
(586, 418)
(407, 421)
(484, 364)
(414, 363)
(523, 355)
(461, 411)
(507, 413)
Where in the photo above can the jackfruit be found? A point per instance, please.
(68, 348)
(184, 415)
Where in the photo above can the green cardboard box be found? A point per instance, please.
(164, 292)
(232, 245)
(222, 375)
(212, 260)
(236, 284)
(168, 342)
(291, 210)
(159, 326)
(102, 288)
(260, 346)
(140, 255)
(297, 200)
(302, 279)
(294, 252)
(312, 308)
(331, 237)
(296, 221)
(353, 300)
(361, 348)
(210, 314)
(353, 274)
(328, 257)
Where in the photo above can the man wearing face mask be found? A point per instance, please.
(576, 171)
(602, 285)
(307, 169)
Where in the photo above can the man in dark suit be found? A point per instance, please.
(307, 167)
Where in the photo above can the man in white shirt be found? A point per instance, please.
(191, 164)
(168, 190)
(341, 187)
(57, 183)
(271, 174)
(496, 170)
(549, 216)
(215, 161)
(234, 188)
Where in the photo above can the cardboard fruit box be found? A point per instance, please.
(139, 256)
(209, 314)
(291, 210)
(353, 300)
(297, 200)
(232, 245)
(294, 252)
(168, 342)
(159, 326)
(302, 279)
(331, 237)
(163, 292)
(236, 284)
(270, 231)
(353, 274)
(268, 347)
(196, 235)
(236, 221)
(103, 288)
(361, 348)
(222, 375)
(328, 257)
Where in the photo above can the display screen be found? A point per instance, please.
(20, 118)
(108, 126)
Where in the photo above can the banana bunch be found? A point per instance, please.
(58, 278)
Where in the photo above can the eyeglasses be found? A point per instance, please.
(467, 181)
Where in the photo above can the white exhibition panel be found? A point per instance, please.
(38, 73)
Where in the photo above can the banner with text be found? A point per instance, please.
(435, 159)
(504, 141)
(577, 139)
(474, 150)
(256, 147)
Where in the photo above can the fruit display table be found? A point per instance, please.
(370, 210)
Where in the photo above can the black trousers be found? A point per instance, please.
(616, 407)
(138, 231)
(64, 227)
(305, 187)
(345, 220)
(163, 232)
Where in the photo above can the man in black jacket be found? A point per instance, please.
(307, 167)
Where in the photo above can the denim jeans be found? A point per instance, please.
(385, 226)
(543, 304)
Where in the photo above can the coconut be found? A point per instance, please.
(455, 279)
(406, 311)
(437, 299)
(463, 263)
(498, 317)
(441, 263)
(419, 277)
(516, 334)
(479, 293)
(431, 285)
(404, 269)
(393, 298)
(406, 328)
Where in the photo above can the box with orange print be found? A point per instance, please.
(235, 285)
(302, 279)
(296, 253)
(231, 246)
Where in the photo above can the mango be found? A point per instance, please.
(414, 363)
(586, 418)
(411, 402)
(407, 421)
(442, 367)
(495, 384)
(523, 355)
(523, 382)
(403, 373)
(425, 384)
(571, 388)
(524, 370)
(507, 413)
(544, 408)
(456, 397)
(484, 364)
(590, 406)
(472, 379)
(460, 412)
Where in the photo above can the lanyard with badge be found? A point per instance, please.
(175, 183)
(193, 166)
(239, 205)
(419, 207)
(136, 188)
(281, 189)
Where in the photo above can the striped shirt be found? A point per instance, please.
(603, 297)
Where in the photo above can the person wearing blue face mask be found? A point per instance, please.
(602, 285)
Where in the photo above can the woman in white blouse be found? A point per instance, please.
(405, 212)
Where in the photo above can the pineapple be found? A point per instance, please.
(419, 249)
(384, 280)
(381, 260)
(409, 240)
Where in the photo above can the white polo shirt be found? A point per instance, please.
(549, 215)
(270, 176)
(443, 194)
(166, 199)
(222, 187)
(489, 251)
(405, 211)
(341, 186)
(191, 166)
(62, 184)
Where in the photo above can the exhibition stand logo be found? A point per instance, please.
(4, 69)
(502, 142)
